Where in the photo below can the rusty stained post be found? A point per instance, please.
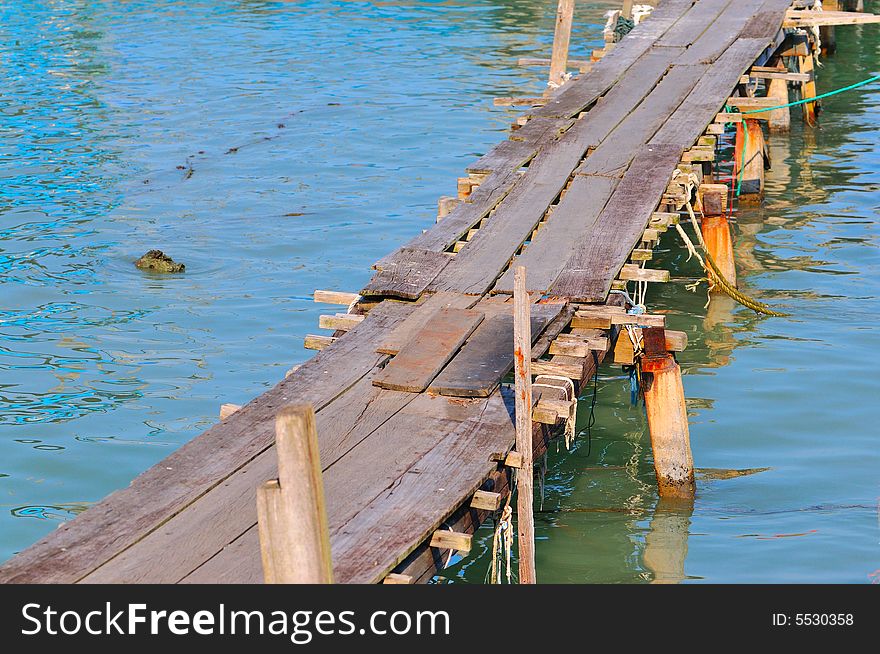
(522, 357)
(667, 417)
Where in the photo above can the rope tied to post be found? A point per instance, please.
(713, 274)
(570, 397)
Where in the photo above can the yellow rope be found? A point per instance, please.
(716, 277)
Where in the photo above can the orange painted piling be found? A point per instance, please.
(749, 160)
(667, 417)
(716, 228)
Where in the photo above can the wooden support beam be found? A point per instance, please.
(808, 90)
(452, 540)
(227, 410)
(579, 349)
(519, 102)
(583, 65)
(712, 198)
(624, 352)
(558, 368)
(522, 350)
(340, 321)
(777, 89)
(336, 297)
(561, 38)
(668, 425)
(445, 205)
(292, 519)
(486, 500)
(395, 578)
(633, 273)
(807, 18)
(317, 342)
(514, 459)
(778, 73)
(605, 317)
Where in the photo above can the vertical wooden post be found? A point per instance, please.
(292, 520)
(749, 160)
(561, 39)
(780, 119)
(667, 417)
(716, 228)
(808, 90)
(627, 10)
(522, 356)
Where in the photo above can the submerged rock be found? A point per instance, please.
(158, 261)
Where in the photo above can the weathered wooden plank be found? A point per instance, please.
(429, 350)
(723, 31)
(479, 263)
(694, 23)
(76, 548)
(506, 156)
(579, 94)
(463, 217)
(420, 317)
(560, 322)
(541, 130)
(407, 274)
(616, 152)
(381, 535)
(598, 256)
(576, 214)
(709, 95)
(368, 470)
(377, 430)
(479, 366)
(766, 22)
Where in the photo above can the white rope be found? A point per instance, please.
(353, 304)
(570, 397)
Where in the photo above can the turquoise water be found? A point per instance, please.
(279, 147)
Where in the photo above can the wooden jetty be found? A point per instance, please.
(403, 437)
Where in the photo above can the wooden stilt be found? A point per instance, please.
(716, 228)
(826, 32)
(808, 90)
(749, 159)
(667, 417)
(292, 520)
(780, 119)
(522, 351)
(561, 38)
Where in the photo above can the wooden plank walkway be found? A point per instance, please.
(412, 414)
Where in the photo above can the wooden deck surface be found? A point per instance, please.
(412, 415)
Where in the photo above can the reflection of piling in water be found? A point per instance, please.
(666, 543)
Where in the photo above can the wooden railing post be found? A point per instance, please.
(561, 39)
(522, 351)
(292, 519)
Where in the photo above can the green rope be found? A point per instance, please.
(818, 97)
(783, 106)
